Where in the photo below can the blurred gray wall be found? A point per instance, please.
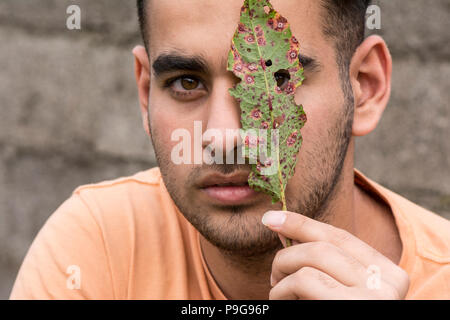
(70, 115)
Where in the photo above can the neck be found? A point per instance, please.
(350, 208)
(238, 278)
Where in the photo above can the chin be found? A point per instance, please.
(236, 231)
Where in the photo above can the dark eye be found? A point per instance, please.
(282, 78)
(188, 83)
(185, 83)
(186, 87)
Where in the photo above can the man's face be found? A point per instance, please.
(204, 29)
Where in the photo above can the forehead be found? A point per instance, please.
(205, 27)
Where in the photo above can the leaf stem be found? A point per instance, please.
(283, 201)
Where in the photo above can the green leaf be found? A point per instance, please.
(263, 47)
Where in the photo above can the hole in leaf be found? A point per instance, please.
(282, 78)
(266, 9)
(268, 63)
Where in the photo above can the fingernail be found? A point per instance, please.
(274, 218)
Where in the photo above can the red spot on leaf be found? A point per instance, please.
(303, 117)
(290, 89)
(242, 28)
(252, 67)
(256, 114)
(270, 104)
(238, 67)
(292, 139)
(292, 55)
(279, 23)
(251, 141)
(249, 79)
(278, 90)
(278, 121)
(268, 162)
(250, 39)
(263, 63)
(261, 42)
(281, 26)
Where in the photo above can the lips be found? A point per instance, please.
(227, 190)
(217, 180)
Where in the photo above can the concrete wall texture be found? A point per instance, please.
(70, 116)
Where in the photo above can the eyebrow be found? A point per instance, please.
(170, 62)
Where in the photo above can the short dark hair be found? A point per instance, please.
(142, 15)
(343, 22)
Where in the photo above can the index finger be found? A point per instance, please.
(303, 229)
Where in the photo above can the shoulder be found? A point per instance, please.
(430, 232)
(95, 229)
(122, 195)
(147, 178)
(129, 207)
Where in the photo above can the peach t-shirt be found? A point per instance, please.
(126, 239)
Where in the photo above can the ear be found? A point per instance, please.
(141, 69)
(370, 74)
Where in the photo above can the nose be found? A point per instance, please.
(224, 117)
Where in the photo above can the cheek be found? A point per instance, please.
(165, 118)
(323, 101)
(168, 118)
(162, 123)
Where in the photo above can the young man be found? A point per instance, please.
(196, 231)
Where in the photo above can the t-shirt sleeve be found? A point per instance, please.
(67, 259)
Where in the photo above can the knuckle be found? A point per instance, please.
(341, 237)
(318, 249)
(304, 273)
(300, 224)
(280, 257)
(355, 264)
(327, 281)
